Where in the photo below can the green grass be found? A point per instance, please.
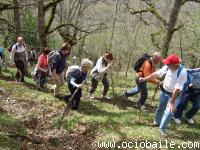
(103, 120)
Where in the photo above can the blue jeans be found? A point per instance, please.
(163, 114)
(187, 96)
(140, 88)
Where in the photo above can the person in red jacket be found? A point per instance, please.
(42, 68)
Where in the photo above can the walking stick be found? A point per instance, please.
(67, 109)
(155, 92)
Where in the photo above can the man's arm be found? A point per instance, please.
(150, 77)
(174, 97)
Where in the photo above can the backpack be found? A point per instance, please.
(140, 61)
(10, 48)
(34, 74)
(51, 55)
(195, 80)
(71, 72)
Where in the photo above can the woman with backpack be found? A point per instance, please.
(76, 76)
(99, 73)
(42, 68)
(57, 61)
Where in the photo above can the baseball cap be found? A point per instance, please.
(171, 59)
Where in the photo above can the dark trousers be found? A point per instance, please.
(20, 70)
(74, 103)
(140, 88)
(1, 55)
(41, 79)
(95, 84)
(187, 96)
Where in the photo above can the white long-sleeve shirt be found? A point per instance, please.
(18, 52)
(100, 69)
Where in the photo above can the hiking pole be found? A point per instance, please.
(155, 92)
(66, 110)
(113, 86)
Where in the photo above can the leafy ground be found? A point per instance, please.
(30, 119)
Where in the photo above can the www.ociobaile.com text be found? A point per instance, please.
(147, 144)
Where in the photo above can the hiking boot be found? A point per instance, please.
(154, 124)
(66, 98)
(143, 108)
(124, 95)
(163, 134)
(91, 96)
(190, 121)
(176, 120)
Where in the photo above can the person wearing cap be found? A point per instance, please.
(99, 73)
(148, 67)
(175, 77)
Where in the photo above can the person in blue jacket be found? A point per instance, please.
(190, 93)
(59, 66)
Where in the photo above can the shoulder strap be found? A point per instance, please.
(179, 70)
(15, 46)
(150, 62)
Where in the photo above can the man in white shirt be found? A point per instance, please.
(176, 76)
(19, 58)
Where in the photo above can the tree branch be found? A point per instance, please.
(64, 25)
(4, 6)
(196, 1)
(52, 3)
(51, 18)
(152, 11)
(8, 23)
(178, 27)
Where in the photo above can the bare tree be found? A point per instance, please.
(72, 22)
(171, 25)
(44, 27)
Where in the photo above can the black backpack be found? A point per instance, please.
(11, 46)
(141, 60)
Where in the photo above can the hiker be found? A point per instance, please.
(1, 57)
(1, 52)
(175, 77)
(190, 93)
(75, 77)
(19, 59)
(58, 66)
(99, 73)
(144, 66)
(41, 69)
(32, 56)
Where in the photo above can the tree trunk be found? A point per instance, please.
(171, 26)
(17, 18)
(41, 24)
